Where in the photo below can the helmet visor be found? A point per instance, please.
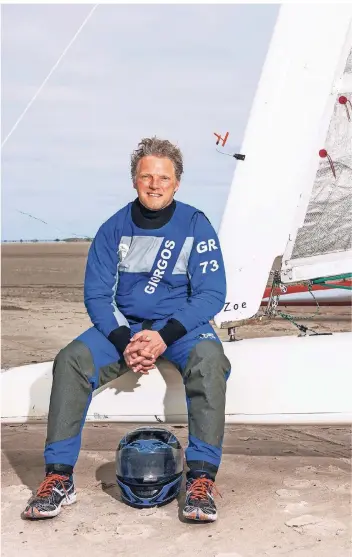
(148, 461)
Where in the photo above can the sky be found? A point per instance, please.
(180, 72)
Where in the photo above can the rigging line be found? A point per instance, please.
(55, 227)
(36, 218)
(222, 153)
(19, 119)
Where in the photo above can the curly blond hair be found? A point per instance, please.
(157, 148)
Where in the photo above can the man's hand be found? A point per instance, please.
(153, 347)
(138, 358)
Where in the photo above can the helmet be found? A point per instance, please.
(149, 466)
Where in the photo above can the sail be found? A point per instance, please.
(288, 125)
(322, 245)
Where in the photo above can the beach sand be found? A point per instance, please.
(285, 490)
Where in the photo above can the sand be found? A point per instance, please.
(285, 490)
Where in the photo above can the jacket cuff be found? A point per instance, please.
(120, 338)
(172, 331)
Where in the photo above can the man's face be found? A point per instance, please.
(155, 182)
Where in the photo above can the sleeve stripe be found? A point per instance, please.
(120, 318)
(181, 264)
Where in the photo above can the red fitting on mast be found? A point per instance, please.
(223, 139)
(324, 154)
(345, 101)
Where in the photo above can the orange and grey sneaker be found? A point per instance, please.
(199, 503)
(55, 491)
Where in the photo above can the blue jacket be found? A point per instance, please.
(174, 272)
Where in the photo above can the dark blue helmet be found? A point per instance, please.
(149, 466)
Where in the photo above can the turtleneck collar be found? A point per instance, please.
(148, 219)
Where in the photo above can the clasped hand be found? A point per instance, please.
(143, 350)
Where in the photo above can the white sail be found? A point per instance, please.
(287, 127)
(321, 246)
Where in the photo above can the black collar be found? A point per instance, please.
(148, 219)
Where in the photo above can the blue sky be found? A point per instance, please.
(180, 72)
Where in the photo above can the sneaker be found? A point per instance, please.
(55, 491)
(200, 504)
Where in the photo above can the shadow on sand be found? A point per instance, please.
(106, 475)
(28, 462)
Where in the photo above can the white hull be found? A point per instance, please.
(279, 380)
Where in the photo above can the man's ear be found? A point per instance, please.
(177, 186)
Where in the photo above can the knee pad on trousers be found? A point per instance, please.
(74, 358)
(205, 384)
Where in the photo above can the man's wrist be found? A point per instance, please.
(172, 331)
(120, 338)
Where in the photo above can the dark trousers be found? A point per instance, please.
(91, 361)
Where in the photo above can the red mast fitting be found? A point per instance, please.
(324, 154)
(237, 156)
(223, 139)
(344, 100)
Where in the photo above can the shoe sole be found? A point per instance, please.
(199, 516)
(35, 513)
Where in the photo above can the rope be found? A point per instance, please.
(19, 119)
(324, 280)
(274, 301)
(302, 328)
(55, 227)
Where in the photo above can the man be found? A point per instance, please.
(154, 278)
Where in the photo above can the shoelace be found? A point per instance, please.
(200, 487)
(46, 486)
